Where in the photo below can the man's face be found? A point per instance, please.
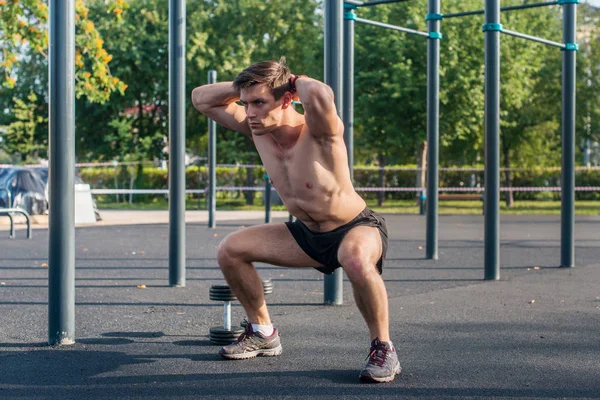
(263, 111)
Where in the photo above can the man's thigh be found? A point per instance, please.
(271, 244)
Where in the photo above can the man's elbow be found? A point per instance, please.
(199, 99)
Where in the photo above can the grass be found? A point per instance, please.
(587, 207)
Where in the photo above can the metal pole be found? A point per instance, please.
(348, 106)
(568, 137)
(61, 244)
(177, 143)
(267, 198)
(212, 162)
(334, 11)
(492, 140)
(433, 132)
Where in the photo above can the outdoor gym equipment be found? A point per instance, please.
(61, 94)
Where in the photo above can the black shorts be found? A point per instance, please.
(323, 246)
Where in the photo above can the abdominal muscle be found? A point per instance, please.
(314, 183)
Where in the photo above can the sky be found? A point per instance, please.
(594, 2)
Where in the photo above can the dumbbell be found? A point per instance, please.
(226, 334)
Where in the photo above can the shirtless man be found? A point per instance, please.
(305, 157)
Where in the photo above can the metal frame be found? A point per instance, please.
(394, 27)
(534, 38)
(61, 174)
(492, 143)
(212, 162)
(433, 133)
(334, 14)
(509, 8)
(568, 137)
(177, 97)
(7, 212)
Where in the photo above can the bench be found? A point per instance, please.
(8, 212)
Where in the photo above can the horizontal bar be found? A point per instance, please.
(532, 5)
(394, 27)
(354, 2)
(509, 8)
(534, 38)
(375, 2)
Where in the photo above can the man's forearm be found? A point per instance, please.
(214, 95)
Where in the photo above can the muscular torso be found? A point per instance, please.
(312, 178)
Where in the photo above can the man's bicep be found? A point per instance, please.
(231, 116)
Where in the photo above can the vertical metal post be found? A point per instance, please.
(212, 162)
(348, 79)
(433, 116)
(177, 143)
(568, 137)
(492, 140)
(334, 11)
(61, 246)
(267, 198)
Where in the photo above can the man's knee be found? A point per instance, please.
(358, 262)
(229, 251)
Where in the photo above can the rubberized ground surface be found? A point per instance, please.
(535, 334)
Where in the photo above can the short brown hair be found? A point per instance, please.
(273, 73)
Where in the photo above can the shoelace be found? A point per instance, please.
(247, 333)
(378, 355)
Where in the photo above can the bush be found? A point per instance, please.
(197, 177)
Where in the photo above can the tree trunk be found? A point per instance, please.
(381, 180)
(509, 198)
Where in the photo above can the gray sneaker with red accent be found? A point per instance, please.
(252, 344)
(382, 363)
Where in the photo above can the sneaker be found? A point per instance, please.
(252, 344)
(382, 364)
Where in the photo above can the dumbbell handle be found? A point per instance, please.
(227, 315)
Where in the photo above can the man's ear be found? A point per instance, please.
(286, 100)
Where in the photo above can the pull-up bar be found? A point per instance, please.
(394, 27)
(509, 8)
(372, 3)
(534, 38)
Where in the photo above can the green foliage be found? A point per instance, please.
(24, 25)
(395, 176)
(23, 134)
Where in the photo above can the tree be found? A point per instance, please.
(588, 74)
(21, 134)
(24, 29)
(24, 24)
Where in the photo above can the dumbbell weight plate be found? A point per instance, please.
(221, 293)
(221, 336)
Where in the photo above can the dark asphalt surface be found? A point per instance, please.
(535, 334)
